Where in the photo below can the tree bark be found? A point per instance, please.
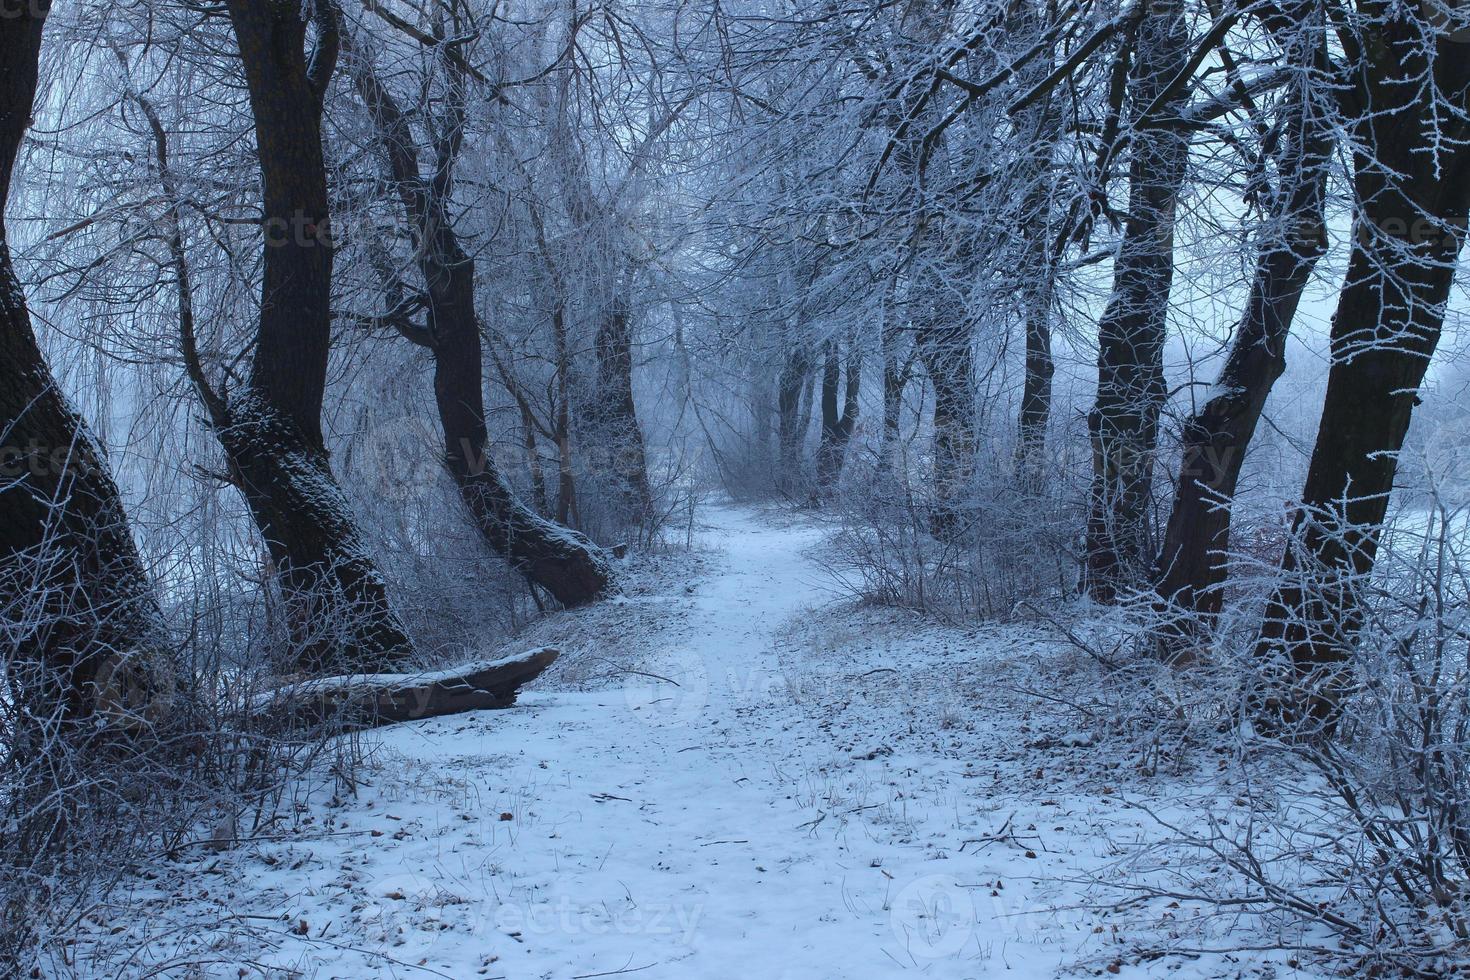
(556, 558)
(612, 413)
(1036, 266)
(1039, 368)
(791, 420)
(1411, 182)
(271, 431)
(897, 367)
(77, 602)
(837, 427)
(359, 701)
(1191, 566)
(1124, 422)
(948, 356)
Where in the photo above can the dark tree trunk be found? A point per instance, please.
(557, 559)
(948, 358)
(1412, 189)
(271, 431)
(73, 593)
(1191, 565)
(896, 371)
(895, 381)
(611, 416)
(1039, 367)
(837, 426)
(566, 480)
(791, 420)
(1124, 422)
(1036, 267)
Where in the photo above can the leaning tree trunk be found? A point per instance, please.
(1412, 190)
(554, 557)
(1124, 422)
(1191, 565)
(340, 618)
(837, 428)
(73, 593)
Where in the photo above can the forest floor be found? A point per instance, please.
(734, 771)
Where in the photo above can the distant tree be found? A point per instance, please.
(554, 557)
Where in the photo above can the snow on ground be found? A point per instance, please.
(738, 775)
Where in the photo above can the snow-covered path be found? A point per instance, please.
(660, 825)
(745, 795)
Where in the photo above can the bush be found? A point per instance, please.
(1005, 546)
(1359, 833)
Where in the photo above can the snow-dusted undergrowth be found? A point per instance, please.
(738, 777)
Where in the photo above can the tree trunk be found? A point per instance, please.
(359, 701)
(1124, 422)
(896, 371)
(791, 424)
(1412, 189)
(271, 432)
(73, 591)
(556, 558)
(566, 483)
(1036, 268)
(533, 458)
(949, 360)
(612, 414)
(1039, 367)
(837, 428)
(1191, 565)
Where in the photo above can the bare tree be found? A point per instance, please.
(1041, 244)
(553, 557)
(1124, 422)
(73, 591)
(1191, 565)
(271, 429)
(1403, 84)
(838, 422)
(611, 416)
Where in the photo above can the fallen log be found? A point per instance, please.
(358, 701)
